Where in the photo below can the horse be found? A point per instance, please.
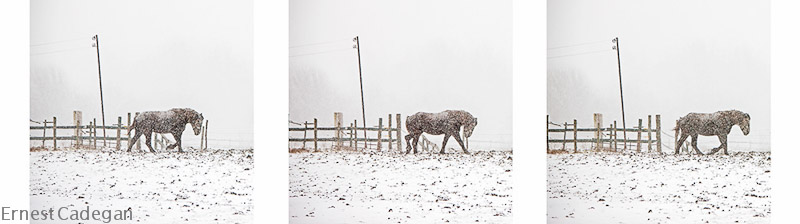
(718, 123)
(172, 121)
(448, 122)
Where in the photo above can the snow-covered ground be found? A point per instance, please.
(212, 186)
(651, 188)
(341, 187)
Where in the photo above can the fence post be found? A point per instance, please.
(305, 130)
(128, 127)
(389, 130)
(649, 133)
(44, 133)
(94, 133)
(399, 134)
(615, 136)
(337, 123)
(599, 136)
(610, 134)
(547, 130)
(658, 132)
(380, 130)
(202, 135)
(639, 137)
(355, 134)
(677, 147)
(350, 137)
(315, 135)
(55, 143)
(564, 143)
(205, 135)
(575, 133)
(77, 119)
(119, 131)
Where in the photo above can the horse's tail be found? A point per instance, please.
(133, 124)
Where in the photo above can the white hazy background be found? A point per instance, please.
(416, 56)
(676, 57)
(155, 55)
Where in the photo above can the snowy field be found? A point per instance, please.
(628, 188)
(212, 186)
(341, 187)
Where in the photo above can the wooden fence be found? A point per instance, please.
(89, 133)
(611, 133)
(350, 134)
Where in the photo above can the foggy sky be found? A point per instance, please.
(416, 56)
(155, 55)
(676, 57)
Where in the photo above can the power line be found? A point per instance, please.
(56, 42)
(317, 43)
(321, 52)
(575, 45)
(59, 51)
(576, 54)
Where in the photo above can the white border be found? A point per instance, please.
(14, 98)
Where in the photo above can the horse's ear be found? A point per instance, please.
(475, 120)
(747, 116)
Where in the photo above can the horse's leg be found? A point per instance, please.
(694, 145)
(177, 137)
(458, 139)
(147, 136)
(721, 144)
(680, 143)
(416, 140)
(446, 136)
(133, 140)
(723, 140)
(408, 142)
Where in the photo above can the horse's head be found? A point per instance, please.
(469, 127)
(196, 119)
(744, 124)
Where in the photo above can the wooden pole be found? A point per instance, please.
(380, 130)
(599, 136)
(128, 127)
(564, 143)
(547, 131)
(399, 135)
(205, 134)
(575, 134)
(94, 132)
(315, 135)
(100, 79)
(355, 136)
(677, 147)
(119, 131)
(55, 128)
(350, 139)
(610, 134)
(389, 130)
(361, 85)
(615, 135)
(202, 135)
(44, 133)
(621, 98)
(649, 133)
(658, 133)
(639, 137)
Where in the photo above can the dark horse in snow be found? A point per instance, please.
(718, 123)
(172, 121)
(448, 122)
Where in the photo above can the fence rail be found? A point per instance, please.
(653, 136)
(349, 134)
(89, 132)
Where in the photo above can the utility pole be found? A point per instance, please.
(100, 79)
(361, 84)
(621, 98)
